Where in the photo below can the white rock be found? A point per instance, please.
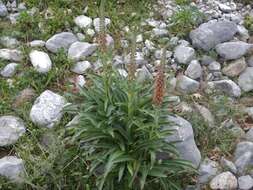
(40, 61)
(12, 168)
(96, 23)
(11, 55)
(83, 21)
(47, 109)
(80, 50)
(224, 181)
(11, 128)
(81, 67)
(37, 43)
(9, 70)
(245, 182)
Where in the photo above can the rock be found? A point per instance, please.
(249, 134)
(224, 181)
(194, 70)
(206, 114)
(11, 128)
(233, 127)
(243, 157)
(209, 34)
(37, 43)
(12, 167)
(24, 96)
(9, 42)
(11, 55)
(96, 23)
(245, 80)
(228, 165)
(80, 50)
(234, 68)
(184, 54)
(245, 182)
(206, 60)
(60, 41)
(250, 61)
(40, 61)
(186, 145)
(233, 50)
(139, 59)
(9, 70)
(225, 8)
(187, 85)
(243, 33)
(81, 67)
(83, 21)
(157, 32)
(214, 66)
(226, 86)
(123, 73)
(3, 10)
(207, 170)
(47, 109)
(143, 74)
(158, 54)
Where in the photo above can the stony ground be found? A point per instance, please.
(46, 52)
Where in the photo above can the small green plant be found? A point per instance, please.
(248, 23)
(183, 2)
(184, 20)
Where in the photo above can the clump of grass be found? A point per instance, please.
(248, 23)
(184, 20)
(182, 2)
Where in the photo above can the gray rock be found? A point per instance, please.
(245, 182)
(226, 86)
(214, 66)
(12, 168)
(194, 70)
(209, 34)
(3, 10)
(60, 41)
(81, 67)
(9, 70)
(184, 134)
(207, 170)
(224, 181)
(143, 74)
(96, 23)
(80, 50)
(245, 80)
(157, 32)
(249, 134)
(228, 165)
(47, 109)
(11, 128)
(83, 21)
(187, 85)
(235, 68)
(233, 50)
(11, 55)
(9, 42)
(184, 54)
(139, 59)
(40, 61)
(243, 157)
(206, 60)
(243, 33)
(250, 61)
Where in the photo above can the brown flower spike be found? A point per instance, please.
(160, 83)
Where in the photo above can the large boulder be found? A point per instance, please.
(12, 168)
(186, 145)
(11, 128)
(60, 41)
(47, 109)
(209, 34)
(233, 50)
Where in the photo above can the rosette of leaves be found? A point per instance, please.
(120, 135)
